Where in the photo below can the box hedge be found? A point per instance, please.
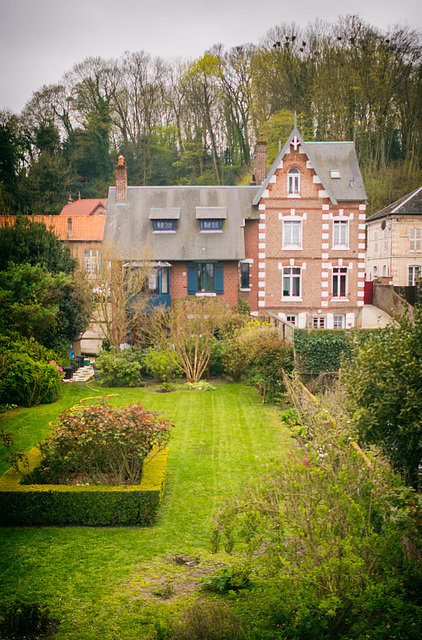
(92, 505)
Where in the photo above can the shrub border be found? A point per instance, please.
(90, 505)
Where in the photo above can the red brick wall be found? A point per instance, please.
(317, 239)
(179, 282)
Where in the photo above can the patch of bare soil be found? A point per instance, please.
(170, 578)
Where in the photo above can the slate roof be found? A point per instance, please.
(411, 203)
(129, 226)
(326, 157)
(85, 207)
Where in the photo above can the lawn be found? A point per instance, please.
(109, 583)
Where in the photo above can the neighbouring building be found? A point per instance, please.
(394, 242)
(292, 244)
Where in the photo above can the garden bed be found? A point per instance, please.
(82, 505)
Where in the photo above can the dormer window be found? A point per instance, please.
(211, 218)
(293, 182)
(164, 225)
(211, 225)
(164, 219)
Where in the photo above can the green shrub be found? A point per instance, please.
(119, 370)
(270, 358)
(207, 620)
(227, 579)
(25, 620)
(160, 363)
(27, 382)
(100, 444)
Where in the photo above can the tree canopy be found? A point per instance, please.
(384, 391)
(179, 122)
(43, 295)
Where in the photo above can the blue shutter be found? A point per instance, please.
(219, 277)
(192, 278)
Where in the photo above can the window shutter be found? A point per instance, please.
(192, 278)
(219, 277)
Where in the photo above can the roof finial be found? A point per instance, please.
(295, 121)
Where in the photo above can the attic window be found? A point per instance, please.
(335, 173)
(211, 225)
(164, 225)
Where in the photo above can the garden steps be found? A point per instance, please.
(83, 374)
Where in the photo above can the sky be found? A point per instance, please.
(42, 39)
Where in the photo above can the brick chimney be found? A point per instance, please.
(121, 180)
(260, 161)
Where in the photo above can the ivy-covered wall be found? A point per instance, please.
(320, 351)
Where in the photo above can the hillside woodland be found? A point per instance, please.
(196, 121)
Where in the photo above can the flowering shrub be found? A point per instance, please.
(202, 385)
(99, 444)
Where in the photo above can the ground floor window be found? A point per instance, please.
(244, 275)
(91, 260)
(318, 322)
(338, 322)
(291, 319)
(414, 274)
(205, 277)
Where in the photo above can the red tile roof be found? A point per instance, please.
(82, 227)
(85, 207)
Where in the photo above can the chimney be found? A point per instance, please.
(260, 161)
(121, 180)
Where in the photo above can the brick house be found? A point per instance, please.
(394, 241)
(311, 235)
(291, 244)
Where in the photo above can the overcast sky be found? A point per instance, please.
(42, 39)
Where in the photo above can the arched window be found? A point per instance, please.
(293, 181)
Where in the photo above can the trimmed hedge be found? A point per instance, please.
(82, 505)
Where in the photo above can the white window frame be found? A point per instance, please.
(386, 240)
(292, 275)
(415, 239)
(318, 322)
(293, 182)
(338, 321)
(413, 271)
(340, 238)
(91, 260)
(288, 235)
(292, 319)
(339, 273)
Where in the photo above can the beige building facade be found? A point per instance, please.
(394, 242)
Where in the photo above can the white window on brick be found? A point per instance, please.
(414, 273)
(318, 322)
(339, 282)
(292, 281)
(338, 322)
(292, 234)
(340, 234)
(91, 258)
(291, 319)
(375, 271)
(293, 181)
(385, 270)
(415, 239)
